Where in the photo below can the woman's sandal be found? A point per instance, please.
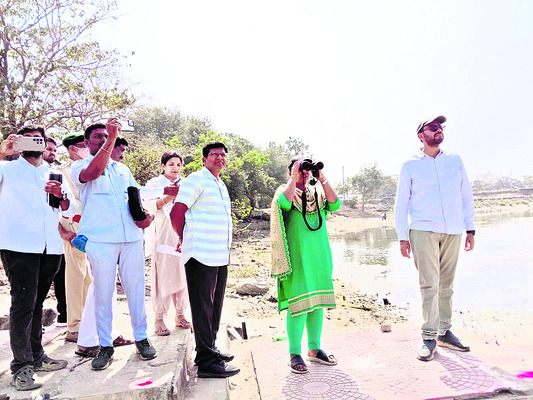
(295, 361)
(322, 358)
(161, 329)
(181, 322)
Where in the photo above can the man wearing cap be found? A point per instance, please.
(433, 189)
(76, 274)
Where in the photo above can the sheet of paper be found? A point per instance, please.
(166, 249)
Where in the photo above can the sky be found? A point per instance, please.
(350, 78)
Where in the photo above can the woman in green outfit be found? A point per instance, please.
(301, 259)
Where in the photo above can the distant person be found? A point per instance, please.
(301, 260)
(202, 219)
(169, 283)
(30, 250)
(434, 190)
(113, 237)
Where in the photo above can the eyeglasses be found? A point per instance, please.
(434, 128)
(223, 155)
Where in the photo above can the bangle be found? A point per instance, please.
(325, 181)
(107, 151)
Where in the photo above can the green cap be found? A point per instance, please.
(73, 138)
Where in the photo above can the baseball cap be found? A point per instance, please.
(440, 119)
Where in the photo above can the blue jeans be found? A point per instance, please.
(30, 276)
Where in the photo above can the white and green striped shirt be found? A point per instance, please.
(208, 224)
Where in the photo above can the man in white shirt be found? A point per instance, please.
(201, 217)
(31, 250)
(113, 237)
(50, 151)
(433, 189)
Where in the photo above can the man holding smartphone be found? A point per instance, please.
(30, 249)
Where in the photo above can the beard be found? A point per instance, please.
(31, 154)
(433, 141)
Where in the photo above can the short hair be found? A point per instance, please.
(168, 155)
(32, 128)
(121, 140)
(50, 140)
(213, 145)
(91, 128)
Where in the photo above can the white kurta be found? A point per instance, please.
(168, 271)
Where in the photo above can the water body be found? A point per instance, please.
(497, 275)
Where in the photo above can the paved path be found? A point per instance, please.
(382, 366)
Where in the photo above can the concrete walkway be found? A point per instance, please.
(171, 375)
(382, 366)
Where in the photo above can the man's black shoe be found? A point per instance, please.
(145, 349)
(219, 369)
(223, 356)
(103, 359)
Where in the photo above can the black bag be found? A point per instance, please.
(134, 203)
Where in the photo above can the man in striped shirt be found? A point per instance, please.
(202, 219)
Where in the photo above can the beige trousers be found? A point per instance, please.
(435, 256)
(77, 278)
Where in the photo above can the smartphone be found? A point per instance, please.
(27, 143)
(53, 201)
(127, 125)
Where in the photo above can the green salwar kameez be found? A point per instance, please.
(309, 286)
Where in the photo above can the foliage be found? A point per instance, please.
(168, 125)
(297, 147)
(240, 210)
(143, 157)
(369, 182)
(490, 181)
(51, 72)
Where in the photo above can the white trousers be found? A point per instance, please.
(87, 335)
(103, 258)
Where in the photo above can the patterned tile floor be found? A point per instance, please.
(374, 365)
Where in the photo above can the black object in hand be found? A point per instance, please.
(53, 200)
(134, 203)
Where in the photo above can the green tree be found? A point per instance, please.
(368, 183)
(297, 147)
(169, 125)
(51, 72)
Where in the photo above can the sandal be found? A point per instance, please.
(120, 341)
(181, 322)
(322, 358)
(296, 361)
(23, 379)
(161, 329)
